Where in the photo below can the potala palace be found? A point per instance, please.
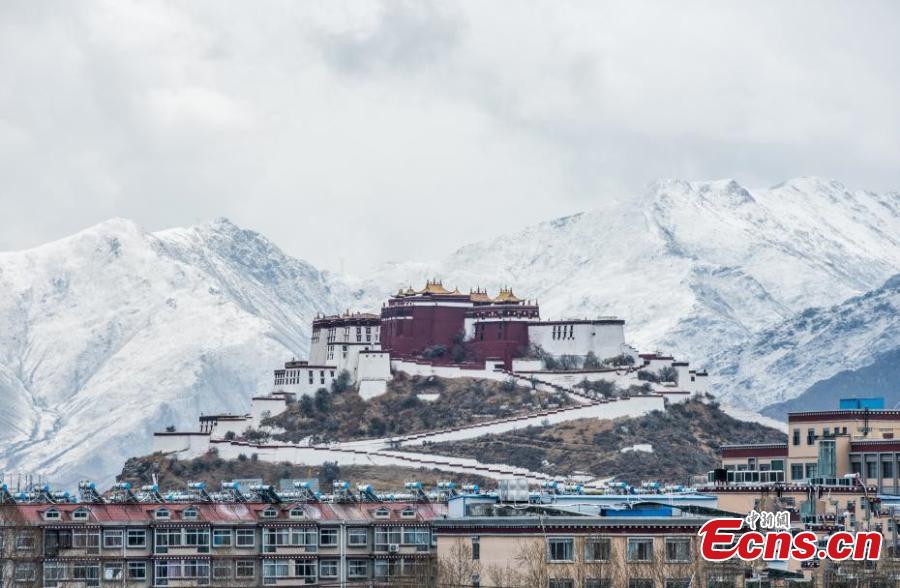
(437, 332)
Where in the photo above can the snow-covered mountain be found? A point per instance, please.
(113, 333)
(694, 267)
(788, 360)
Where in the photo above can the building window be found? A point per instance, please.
(796, 437)
(137, 539)
(297, 513)
(560, 549)
(597, 549)
(357, 537)
(245, 537)
(387, 536)
(810, 436)
(305, 570)
(382, 513)
(796, 471)
(871, 469)
(678, 549)
(221, 569)
(357, 568)
(189, 514)
(221, 537)
(52, 515)
(887, 469)
(269, 513)
(640, 583)
(196, 537)
(561, 583)
(112, 538)
(25, 541)
(328, 568)
(328, 537)
(598, 583)
(811, 470)
(244, 568)
(408, 513)
(162, 513)
(113, 571)
(719, 581)
(476, 548)
(678, 583)
(137, 570)
(80, 515)
(640, 549)
(25, 572)
(415, 536)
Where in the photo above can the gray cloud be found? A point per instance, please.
(369, 131)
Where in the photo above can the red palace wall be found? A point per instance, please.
(501, 339)
(429, 325)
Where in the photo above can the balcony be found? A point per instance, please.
(745, 477)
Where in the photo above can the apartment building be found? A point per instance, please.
(641, 545)
(214, 543)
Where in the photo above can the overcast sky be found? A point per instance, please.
(393, 130)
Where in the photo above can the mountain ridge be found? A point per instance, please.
(114, 332)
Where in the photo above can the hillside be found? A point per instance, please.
(684, 440)
(794, 359)
(173, 473)
(113, 333)
(410, 405)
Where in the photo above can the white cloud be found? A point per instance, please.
(366, 131)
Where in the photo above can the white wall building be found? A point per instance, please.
(604, 337)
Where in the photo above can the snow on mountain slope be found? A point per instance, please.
(782, 362)
(113, 333)
(694, 267)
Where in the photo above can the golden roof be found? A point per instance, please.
(434, 287)
(506, 296)
(479, 295)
